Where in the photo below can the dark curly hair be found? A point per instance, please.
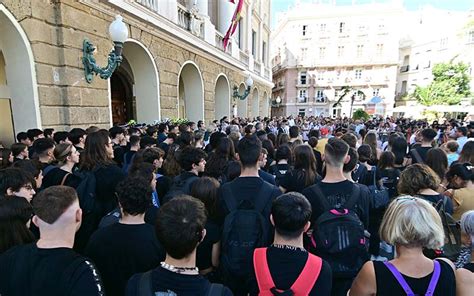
(134, 195)
(417, 177)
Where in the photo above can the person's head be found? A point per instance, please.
(305, 161)
(44, 149)
(249, 129)
(57, 210)
(313, 142)
(294, 132)
(152, 131)
(250, 148)
(32, 168)
(225, 148)
(77, 136)
(467, 153)
(198, 137)
(391, 139)
(192, 125)
(205, 189)
(62, 137)
(34, 134)
(283, 139)
(185, 139)
(290, 214)
(162, 128)
(413, 223)
(180, 226)
(459, 174)
(147, 141)
(365, 153)
(135, 141)
(437, 160)
(353, 160)
(66, 153)
(15, 215)
(335, 152)
(428, 135)
(467, 228)
(97, 151)
(92, 129)
(145, 171)
(192, 159)
(452, 146)
(49, 133)
(284, 152)
(417, 177)
(268, 145)
(117, 133)
(6, 158)
(134, 195)
(399, 149)
(214, 139)
(153, 155)
(350, 139)
(461, 131)
(14, 181)
(22, 137)
(387, 160)
(20, 150)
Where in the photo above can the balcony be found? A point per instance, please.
(404, 69)
(150, 4)
(320, 100)
(220, 43)
(244, 58)
(302, 100)
(257, 67)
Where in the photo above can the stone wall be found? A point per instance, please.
(56, 30)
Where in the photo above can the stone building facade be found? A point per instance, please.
(174, 63)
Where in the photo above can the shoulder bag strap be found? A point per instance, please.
(64, 178)
(262, 272)
(417, 156)
(434, 279)
(308, 276)
(144, 284)
(350, 203)
(400, 279)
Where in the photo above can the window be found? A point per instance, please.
(320, 96)
(379, 49)
(322, 52)
(322, 28)
(338, 74)
(403, 91)
(376, 92)
(342, 25)
(320, 75)
(358, 74)
(305, 27)
(443, 43)
(254, 42)
(470, 37)
(304, 53)
(360, 49)
(303, 77)
(302, 96)
(302, 112)
(241, 34)
(264, 52)
(428, 63)
(340, 51)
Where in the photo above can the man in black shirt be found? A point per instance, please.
(50, 267)
(78, 138)
(286, 257)
(44, 150)
(180, 228)
(418, 154)
(129, 246)
(117, 135)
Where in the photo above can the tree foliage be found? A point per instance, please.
(360, 114)
(450, 84)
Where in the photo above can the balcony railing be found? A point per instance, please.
(220, 43)
(150, 4)
(256, 67)
(321, 100)
(302, 100)
(184, 18)
(244, 58)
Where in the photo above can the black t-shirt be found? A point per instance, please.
(29, 270)
(469, 266)
(285, 267)
(164, 280)
(266, 177)
(422, 151)
(319, 161)
(204, 250)
(338, 194)
(387, 284)
(119, 152)
(294, 180)
(437, 200)
(57, 175)
(120, 250)
(390, 179)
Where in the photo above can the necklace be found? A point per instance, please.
(189, 270)
(288, 247)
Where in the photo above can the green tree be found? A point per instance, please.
(450, 84)
(360, 114)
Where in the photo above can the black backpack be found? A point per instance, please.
(245, 228)
(179, 187)
(86, 190)
(338, 235)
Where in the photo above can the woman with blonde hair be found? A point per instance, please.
(410, 224)
(465, 275)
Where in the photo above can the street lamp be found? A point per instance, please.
(249, 83)
(118, 33)
(276, 103)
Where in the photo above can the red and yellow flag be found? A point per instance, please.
(234, 24)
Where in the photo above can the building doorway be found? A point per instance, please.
(122, 98)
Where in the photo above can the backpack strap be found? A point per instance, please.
(350, 203)
(263, 197)
(262, 272)
(434, 279)
(144, 284)
(417, 156)
(401, 280)
(308, 276)
(319, 193)
(229, 199)
(374, 179)
(216, 290)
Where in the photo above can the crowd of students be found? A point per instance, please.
(279, 206)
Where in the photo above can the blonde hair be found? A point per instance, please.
(412, 222)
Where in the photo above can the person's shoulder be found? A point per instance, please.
(15, 251)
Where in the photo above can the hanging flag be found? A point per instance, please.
(234, 24)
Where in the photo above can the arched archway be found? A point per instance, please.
(19, 109)
(222, 97)
(253, 102)
(242, 104)
(121, 89)
(141, 73)
(265, 105)
(190, 92)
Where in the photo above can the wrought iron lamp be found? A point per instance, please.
(249, 83)
(118, 33)
(276, 103)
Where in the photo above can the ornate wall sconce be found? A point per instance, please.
(243, 96)
(118, 33)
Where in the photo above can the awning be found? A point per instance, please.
(451, 108)
(375, 100)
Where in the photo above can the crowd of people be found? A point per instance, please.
(270, 206)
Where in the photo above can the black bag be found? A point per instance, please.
(86, 190)
(452, 232)
(338, 235)
(245, 228)
(380, 196)
(179, 187)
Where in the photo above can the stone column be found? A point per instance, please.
(202, 5)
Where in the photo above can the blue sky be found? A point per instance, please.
(282, 5)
